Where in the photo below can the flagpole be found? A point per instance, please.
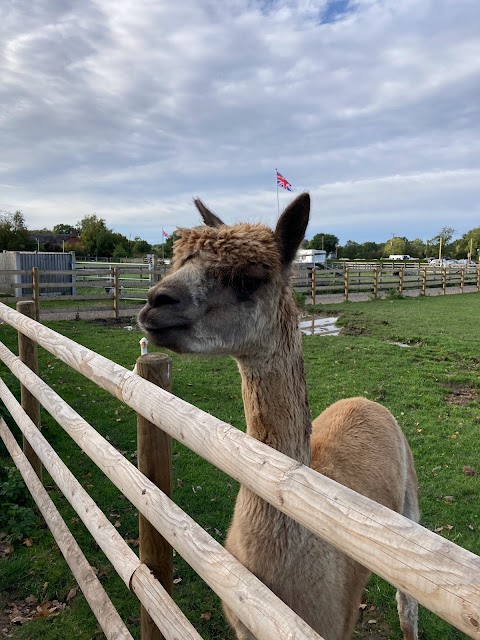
(163, 246)
(278, 201)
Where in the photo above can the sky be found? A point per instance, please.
(128, 109)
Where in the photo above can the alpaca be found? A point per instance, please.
(229, 292)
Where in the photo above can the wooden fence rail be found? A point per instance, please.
(439, 574)
(378, 280)
(120, 285)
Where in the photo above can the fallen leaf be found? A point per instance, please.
(28, 542)
(177, 580)
(206, 616)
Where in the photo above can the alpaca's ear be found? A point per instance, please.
(209, 218)
(291, 227)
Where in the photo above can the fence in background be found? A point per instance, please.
(121, 286)
(384, 278)
(439, 574)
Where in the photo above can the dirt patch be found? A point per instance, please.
(460, 395)
(371, 625)
(355, 330)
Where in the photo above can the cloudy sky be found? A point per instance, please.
(130, 108)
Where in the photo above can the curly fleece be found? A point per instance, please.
(239, 246)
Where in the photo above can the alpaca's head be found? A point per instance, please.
(229, 287)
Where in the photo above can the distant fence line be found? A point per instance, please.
(378, 278)
(129, 283)
(439, 574)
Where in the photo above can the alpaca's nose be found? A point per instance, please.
(162, 299)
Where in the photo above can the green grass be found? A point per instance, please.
(432, 387)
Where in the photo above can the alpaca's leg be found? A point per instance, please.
(237, 625)
(406, 605)
(408, 614)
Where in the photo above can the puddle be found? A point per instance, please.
(319, 327)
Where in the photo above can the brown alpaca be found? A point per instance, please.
(229, 292)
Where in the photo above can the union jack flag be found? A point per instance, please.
(283, 182)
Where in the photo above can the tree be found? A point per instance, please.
(14, 235)
(371, 250)
(462, 246)
(326, 241)
(141, 247)
(119, 251)
(445, 235)
(416, 248)
(96, 237)
(351, 250)
(395, 246)
(65, 228)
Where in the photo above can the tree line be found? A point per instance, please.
(455, 248)
(89, 237)
(94, 238)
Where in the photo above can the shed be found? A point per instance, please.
(45, 261)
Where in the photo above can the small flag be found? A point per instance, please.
(165, 234)
(283, 182)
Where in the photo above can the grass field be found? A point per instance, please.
(432, 387)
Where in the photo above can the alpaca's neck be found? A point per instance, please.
(275, 395)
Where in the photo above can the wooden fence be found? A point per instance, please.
(379, 279)
(440, 575)
(122, 286)
(116, 285)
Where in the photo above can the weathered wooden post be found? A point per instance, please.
(478, 276)
(462, 278)
(116, 293)
(400, 279)
(28, 354)
(154, 449)
(345, 279)
(36, 293)
(154, 276)
(444, 279)
(375, 282)
(313, 277)
(424, 281)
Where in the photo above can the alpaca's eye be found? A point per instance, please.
(244, 286)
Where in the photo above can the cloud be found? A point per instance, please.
(130, 109)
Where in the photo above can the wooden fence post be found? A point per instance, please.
(375, 282)
(312, 275)
(345, 278)
(424, 281)
(116, 293)
(36, 293)
(462, 278)
(154, 449)
(28, 353)
(400, 279)
(444, 279)
(478, 276)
